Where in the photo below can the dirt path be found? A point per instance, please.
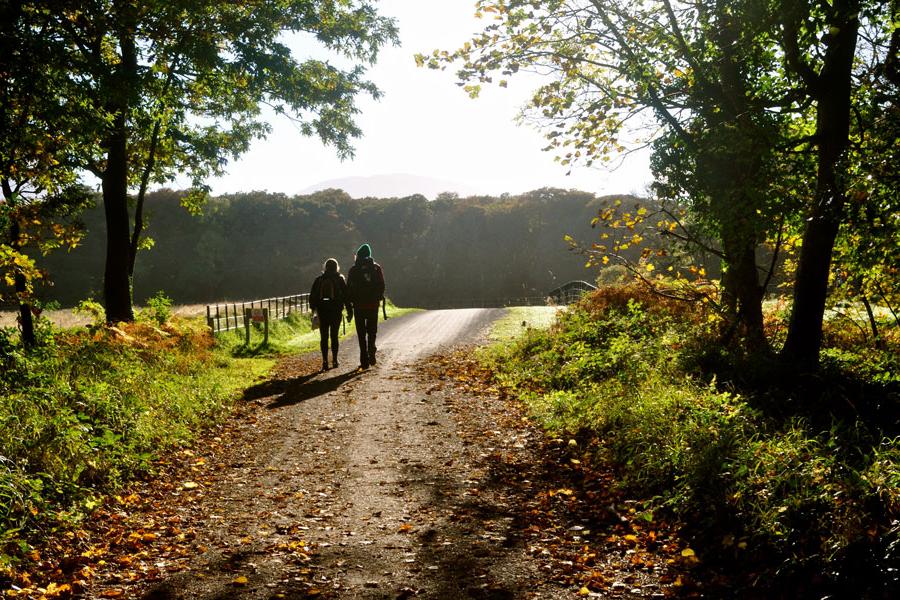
(350, 484)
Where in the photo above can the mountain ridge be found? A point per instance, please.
(392, 185)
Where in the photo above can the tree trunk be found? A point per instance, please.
(142, 194)
(833, 93)
(873, 322)
(743, 281)
(116, 282)
(121, 94)
(26, 320)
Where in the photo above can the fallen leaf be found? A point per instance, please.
(240, 581)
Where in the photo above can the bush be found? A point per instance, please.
(159, 309)
(617, 368)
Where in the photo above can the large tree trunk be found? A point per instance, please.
(804, 339)
(121, 95)
(116, 282)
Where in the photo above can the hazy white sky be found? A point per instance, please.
(425, 125)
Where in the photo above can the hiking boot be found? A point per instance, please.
(372, 359)
(334, 362)
(325, 365)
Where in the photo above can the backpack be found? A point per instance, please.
(367, 283)
(327, 290)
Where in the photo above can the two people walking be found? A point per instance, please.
(360, 295)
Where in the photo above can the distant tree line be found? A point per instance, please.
(260, 244)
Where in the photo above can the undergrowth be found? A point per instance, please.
(91, 408)
(768, 470)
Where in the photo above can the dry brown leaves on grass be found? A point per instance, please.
(584, 533)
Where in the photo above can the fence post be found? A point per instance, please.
(266, 326)
(247, 312)
(209, 321)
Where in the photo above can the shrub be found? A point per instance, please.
(159, 309)
(617, 368)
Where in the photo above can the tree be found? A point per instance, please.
(694, 75)
(39, 149)
(179, 86)
(831, 62)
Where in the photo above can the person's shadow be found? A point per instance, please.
(286, 392)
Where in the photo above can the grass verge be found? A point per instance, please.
(778, 483)
(292, 335)
(519, 319)
(90, 409)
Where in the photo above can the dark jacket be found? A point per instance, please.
(365, 283)
(324, 287)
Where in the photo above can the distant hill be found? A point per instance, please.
(395, 185)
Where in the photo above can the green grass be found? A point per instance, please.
(518, 319)
(801, 484)
(293, 335)
(91, 409)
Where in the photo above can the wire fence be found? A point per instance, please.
(227, 316)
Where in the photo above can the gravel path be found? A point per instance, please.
(385, 483)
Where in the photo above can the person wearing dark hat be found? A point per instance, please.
(365, 284)
(328, 298)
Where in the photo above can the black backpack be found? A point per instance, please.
(328, 290)
(366, 282)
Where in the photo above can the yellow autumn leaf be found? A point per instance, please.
(240, 581)
(54, 591)
(584, 591)
(688, 553)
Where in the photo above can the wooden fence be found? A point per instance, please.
(230, 315)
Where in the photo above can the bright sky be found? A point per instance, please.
(425, 125)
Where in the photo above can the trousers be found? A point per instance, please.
(366, 331)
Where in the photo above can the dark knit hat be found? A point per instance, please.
(365, 251)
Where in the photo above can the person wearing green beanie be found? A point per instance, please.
(365, 286)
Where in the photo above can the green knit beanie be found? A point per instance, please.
(365, 251)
